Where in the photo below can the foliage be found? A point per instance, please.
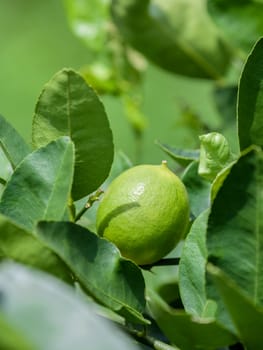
(66, 287)
(37, 309)
(177, 44)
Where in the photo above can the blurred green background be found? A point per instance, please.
(36, 41)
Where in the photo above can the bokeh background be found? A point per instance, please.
(36, 42)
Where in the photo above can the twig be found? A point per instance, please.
(145, 339)
(72, 210)
(93, 198)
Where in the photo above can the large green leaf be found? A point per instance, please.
(219, 180)
(114, 68)
(235, 226)
(182, 156)
(192, 269)
(51, 315)
(171, 34)
(240, 20)
(198, 189)
(68, 106)
(247, 317)
(14, 147)
(11, 338)
(225, 98)
(21, 246)
(186, 332)
(40, 186)
(97, 264)
(250, 99)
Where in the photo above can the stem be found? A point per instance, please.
(162, 262)
(93, 198)
(82, 212)
(3, 181)
(72, 210)
(150, 341)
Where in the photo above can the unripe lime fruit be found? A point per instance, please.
(144, 212)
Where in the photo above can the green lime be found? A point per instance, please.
(144, 212)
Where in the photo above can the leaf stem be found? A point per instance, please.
(93, 198)
(72, 210)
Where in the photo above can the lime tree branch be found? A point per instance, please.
(150, 341)
(92, 198)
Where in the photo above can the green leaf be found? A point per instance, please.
(182, 156)
(5, 166)
(102, 75)
(234, 234)
(247, 317)
(40, 186)
(12, 143)
(250, 97)
(198, 189)
(5, 170)
(192, 269)
(186, 332)
(215, 155)
(97, 264)
(51, 315)
(225, 98)
(121, 163)
(174, 42)
(21, 246)
(68, 106)
(89, 21)
(219, 180)
(113, 68)
(240, 20)
(11, 338)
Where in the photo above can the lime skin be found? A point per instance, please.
(144, 212)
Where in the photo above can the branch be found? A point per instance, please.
(93, 198)
(150, 341)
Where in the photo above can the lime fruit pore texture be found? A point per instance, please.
(144, 212)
